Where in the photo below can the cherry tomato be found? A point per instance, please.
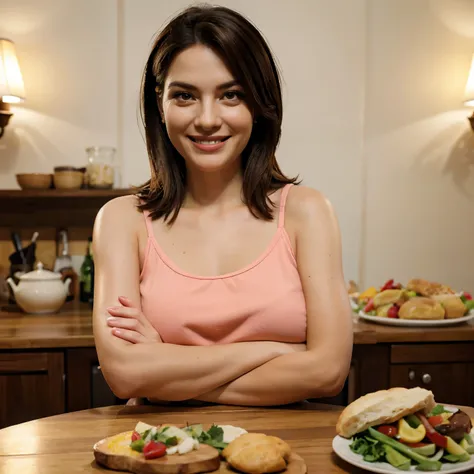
(388, 430)
(393, 311)
(435, 420)
(467, 295)
(387, 286)
(369, 306)
(153, 450)
(135, 436)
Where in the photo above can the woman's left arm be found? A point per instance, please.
(322, 369)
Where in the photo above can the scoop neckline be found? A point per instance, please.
(170, 263)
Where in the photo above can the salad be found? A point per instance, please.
(443, 436)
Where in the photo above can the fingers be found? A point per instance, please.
(124, 323)
(126, 302)
(123, 312)
(127, 335)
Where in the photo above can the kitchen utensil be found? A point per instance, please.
(40, 291)
(34, 180)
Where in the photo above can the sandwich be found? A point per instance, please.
(406, 427)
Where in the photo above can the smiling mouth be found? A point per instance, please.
(208, 141)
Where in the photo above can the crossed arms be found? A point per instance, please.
(246, 373)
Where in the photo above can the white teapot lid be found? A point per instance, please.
(40, 274)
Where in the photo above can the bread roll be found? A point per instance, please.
(421, 308)
(384, 406)
(452, 304)
(257, 453)
(428, 288)
(389, 297)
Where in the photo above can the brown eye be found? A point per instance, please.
(233, 95)
(184, 96)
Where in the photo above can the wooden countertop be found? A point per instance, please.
(72, 327)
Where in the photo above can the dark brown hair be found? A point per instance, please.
(244, 51)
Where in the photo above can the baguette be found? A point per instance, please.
(383, 407)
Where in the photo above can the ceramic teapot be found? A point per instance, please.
(40, 291)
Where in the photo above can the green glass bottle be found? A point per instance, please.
(87, 276)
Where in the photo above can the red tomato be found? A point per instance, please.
(153, 450)
(435, 420)
(369, 306)
(135, 436)
(467, 295)
(387, 286)
(393, 311)
(388, 430)
(432, 434)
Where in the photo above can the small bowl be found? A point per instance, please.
(34, 180)
(70, 179)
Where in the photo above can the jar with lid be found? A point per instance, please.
(100, 170)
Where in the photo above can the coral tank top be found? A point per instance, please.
(263, 301)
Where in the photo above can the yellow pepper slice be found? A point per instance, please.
(409, 434)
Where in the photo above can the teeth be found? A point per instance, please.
(208, 142)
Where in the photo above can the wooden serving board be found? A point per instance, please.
(115, 453)
(296, 465)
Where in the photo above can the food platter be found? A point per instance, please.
(416, 322)
(340, 446)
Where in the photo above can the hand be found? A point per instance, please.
(130, 324)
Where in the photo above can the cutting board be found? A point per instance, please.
(115, 453)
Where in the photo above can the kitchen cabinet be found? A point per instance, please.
(31, 386)
(49, 365)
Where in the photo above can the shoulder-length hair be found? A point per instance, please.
(244, 51)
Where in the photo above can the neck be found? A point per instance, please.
(213, 189)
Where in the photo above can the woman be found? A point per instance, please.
(221, 280)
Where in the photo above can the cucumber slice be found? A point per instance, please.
(427, 450)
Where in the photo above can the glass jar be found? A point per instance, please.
(100, 170)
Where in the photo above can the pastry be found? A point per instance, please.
(421, 308)
(257, 453)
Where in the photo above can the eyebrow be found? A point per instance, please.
(190, 87)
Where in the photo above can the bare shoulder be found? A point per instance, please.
(118, 219)
(307, 205)
(121, 209)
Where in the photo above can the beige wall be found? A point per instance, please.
(418, 147)
(373, 113)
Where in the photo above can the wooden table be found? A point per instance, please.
(63, 443)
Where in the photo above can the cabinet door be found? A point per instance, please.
(31, 386)
(450, 383)
(86, 385)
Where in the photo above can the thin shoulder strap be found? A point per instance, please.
(283, 197)
(149, 229)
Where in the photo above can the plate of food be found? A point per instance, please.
(419, 303)
(404, 429)
(190, 449)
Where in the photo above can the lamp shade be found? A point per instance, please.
(469, 90)
(12, 89)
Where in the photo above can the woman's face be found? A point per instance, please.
(206, 115)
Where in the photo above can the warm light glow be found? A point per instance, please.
(469, 90)
(12, 89)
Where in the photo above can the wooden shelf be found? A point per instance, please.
(62, 193)
(53, 207)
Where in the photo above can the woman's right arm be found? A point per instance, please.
(155, 370)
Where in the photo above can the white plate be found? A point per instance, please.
(341, 448)
(416, 322)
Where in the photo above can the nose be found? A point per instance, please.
(208, 116)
